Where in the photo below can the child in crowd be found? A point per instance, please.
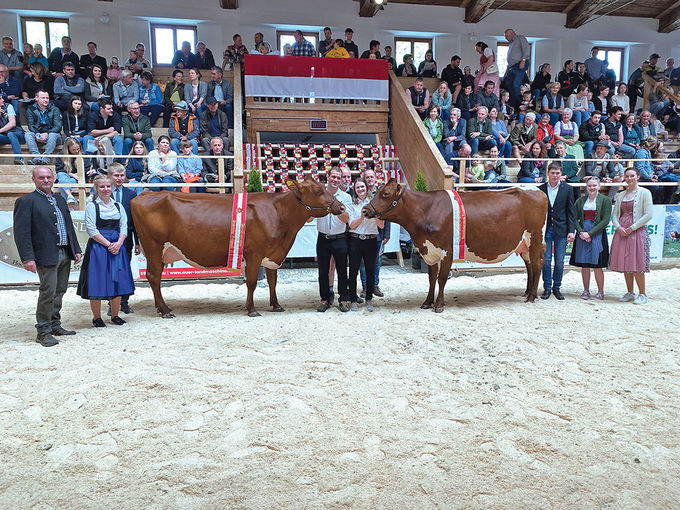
(526, 105)
(135, 168)
(113, 73)
(189, 167)
(66, 169)
(477, 169)
(506, 109)
(490, 172)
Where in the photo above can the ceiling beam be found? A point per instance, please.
(229, 4)
(670, 22)
(368, 8)
(476, 10)
(579, 13)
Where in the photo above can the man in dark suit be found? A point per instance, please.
(559, 228)
(47, 242)
(123, 195)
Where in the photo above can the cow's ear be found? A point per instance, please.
(398, 189)
(291, 184)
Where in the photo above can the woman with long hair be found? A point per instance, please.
(28, 53)
(465, 102)
(195, 92)
(105, 273)
(540, 83)
(136, 168)
(428, 67)
(500, 132)
(74, 120)
(96, 87)
(488, 68)
(442, 99)
(162, 164)
(534, 165)
(39, 79)
(579, 104)
(66, 169)
(621, 98)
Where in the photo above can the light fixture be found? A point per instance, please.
(379, 2)
(104, 18)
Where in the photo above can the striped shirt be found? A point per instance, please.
(61, 223)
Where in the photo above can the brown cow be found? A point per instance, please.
(195, 228)
(499, 223)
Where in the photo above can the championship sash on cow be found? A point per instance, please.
(238, 232)
(458, 252)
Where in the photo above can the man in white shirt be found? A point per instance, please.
(332, 242)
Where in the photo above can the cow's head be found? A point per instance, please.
(385, 199)
(314, 197)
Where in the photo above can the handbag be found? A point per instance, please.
(492, 69)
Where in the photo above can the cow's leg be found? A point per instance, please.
(536, 257)
(252, 268)
(432, 273)
(530, 273)
(444, 268)
(154, 268)
(273, 300)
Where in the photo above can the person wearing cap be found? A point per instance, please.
(603, 166)
(213, 123)
(351, 48)
(183, 126)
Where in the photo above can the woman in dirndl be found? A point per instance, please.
(591, 249)
(105, 273)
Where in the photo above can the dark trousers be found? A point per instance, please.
(361, 250)
(53, 285)
(337, 248)
(128, 248)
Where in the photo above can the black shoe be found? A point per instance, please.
(330, 301)
(118, 321)
(125, 308)
(359, 300)
(98, 323)
(62, 332)
(47, 340)
(363, 293)
(546, 294)
(324, 306)
(378, 292)
(558, 294)
(343, 306)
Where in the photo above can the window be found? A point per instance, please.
(284, 37)
(413, 46)
(44, 31)
(614, 56)
(167, 39)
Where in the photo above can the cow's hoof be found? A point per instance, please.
(530, 299)
(168, 315)
(526, 294)
(279, 309)
(426, 306)
(254, 314)
(439, 310)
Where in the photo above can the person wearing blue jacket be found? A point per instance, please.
(150, 97)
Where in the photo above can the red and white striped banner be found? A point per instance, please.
(458, 227)
(324, 78)
(238, 231)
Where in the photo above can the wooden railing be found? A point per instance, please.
(414, 145)
(237, 172)
(651, 85)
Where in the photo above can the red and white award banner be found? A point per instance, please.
(323, 78)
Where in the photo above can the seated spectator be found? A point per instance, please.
(428, 67)
(125, 91)
(672, 121)
(566, 79)
(407, 68)
(455, 131)
(441, 98)
(213, 122)
(579, 76)
(103, 157)
(499, 168)
(546, 133)
(601, 164)
(136, 168)
(391, 63)
(621, 98)
(630, 134)
(373, 49)
(675, 77)
(150, 98)
(131, 64)
(223, 92)
(665, 171)
(28, 52)
(645, 127)
(592, 132)
(420, 97)
(183, 126)
(173, 95)
(67, 85)
(60, 56)
(183, 58)
(523, 135)
(569, 165)
(477, 169)
(12, 58)
(337, 50)
(67, 170)
(541, 81)
(466, 103)
(211, 165)
(487, 97)
(104, 123)
(553, 103)
(113, 73)
(602, 101)
(195, 92)
(325, 45)
(10, 131)
(189, 168)
(10, 88)
(468, 78)
(580, 106)
(500, 133)
(435, 127)
(44, 127)
(136, 128)
(96, 87)
(38, 56)
(566, 131)
(613, 128)
(91, 58)
(506, 111)
(74, 120)
(138, 64)
(453, 75)
(526, 105)
(352, 49)
(234, 53)
(534, 165)
(479, 131)
(643, 164)
(39, 79)
(302, 47)
(454, 159)
(162, 164)
(204, 57)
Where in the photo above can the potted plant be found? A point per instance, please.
(420, 184)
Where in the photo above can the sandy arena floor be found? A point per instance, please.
(493, 404)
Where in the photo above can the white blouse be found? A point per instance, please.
(106, 212)
(160, 168)
(368, 226)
